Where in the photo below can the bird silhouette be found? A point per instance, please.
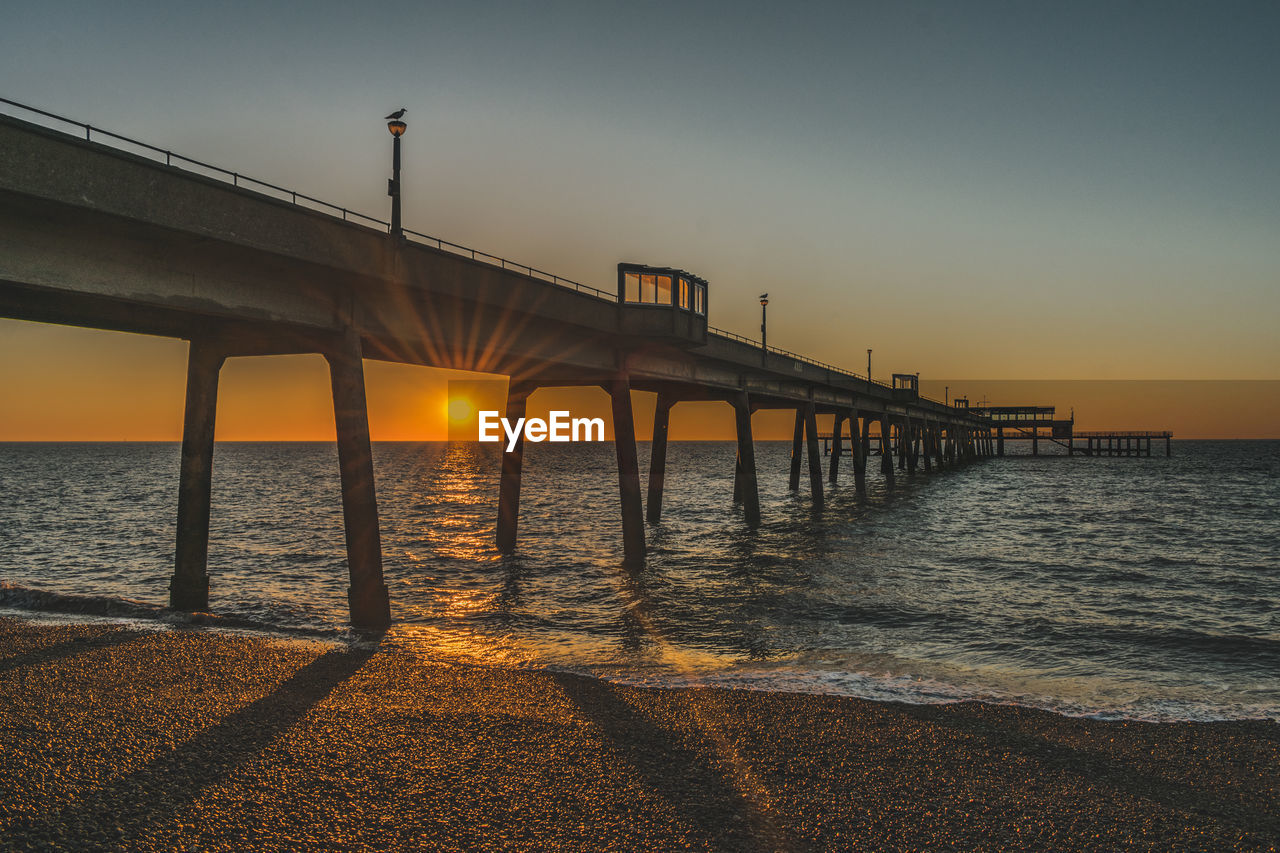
(397, 114)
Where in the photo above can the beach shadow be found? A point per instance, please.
(689, 778)
(169, 784)
(1102, 768)
(68, 648)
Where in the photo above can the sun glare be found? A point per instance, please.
(460, 410)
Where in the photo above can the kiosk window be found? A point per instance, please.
(664, 290)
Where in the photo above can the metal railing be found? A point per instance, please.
(97, 134)
(1133, 433)
(188, 164)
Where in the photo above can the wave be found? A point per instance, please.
(878, 687)
(33, 600)
(915, 690)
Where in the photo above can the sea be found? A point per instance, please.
(1117, 588)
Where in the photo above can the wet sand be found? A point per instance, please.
(139, 740)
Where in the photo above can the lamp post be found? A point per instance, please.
(868, 365)
(397, 127)
(764, 336)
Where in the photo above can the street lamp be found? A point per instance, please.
(868, 365)
(764, 336)
(397, 127)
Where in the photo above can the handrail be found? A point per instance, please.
(1133, 433)
(293, 196)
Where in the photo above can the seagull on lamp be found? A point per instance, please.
(397, 114)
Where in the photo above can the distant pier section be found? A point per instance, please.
(1040, 423)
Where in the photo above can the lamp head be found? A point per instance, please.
(764, 299)
(397, 127)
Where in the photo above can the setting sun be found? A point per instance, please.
(460, 410)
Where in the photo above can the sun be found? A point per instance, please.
(460, 410)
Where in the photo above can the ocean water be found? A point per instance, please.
(1134, 588)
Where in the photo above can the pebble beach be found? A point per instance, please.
(122, 737)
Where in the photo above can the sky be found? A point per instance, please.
(976, 191)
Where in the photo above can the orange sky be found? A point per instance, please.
(66, 384)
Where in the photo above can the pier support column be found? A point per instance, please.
(859, 440)
(815, 456)
(837, 446)
(913, 446)
(797, 437)
(658, 457)
(1035, 441)
(1000, 441)
(926, 442)
(367, 596)
(900, 447)
(624, 445)
(737, 478)
(189, 586)
(866, 436)
(512, 471)
(886, 452)
(747, 486)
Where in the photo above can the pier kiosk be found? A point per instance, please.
(662, 302)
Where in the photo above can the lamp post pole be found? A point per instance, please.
(397, 128)
(764, 333)
(868, 365)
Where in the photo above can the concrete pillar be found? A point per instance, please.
(837, 441)
(658, 457)
(926, 442)
(859, 439)
(815, 457)
(189, 586)
(1000, 441)
(1035, 441)
(900, 447)
(913, 446)
(512, 469)
(624, 445)
(797, 437)
(886, 452)
(367, 596)
(866, 437)
(737, 478)
(749, 488)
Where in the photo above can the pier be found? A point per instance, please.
(146, 241)
(1123, 443)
